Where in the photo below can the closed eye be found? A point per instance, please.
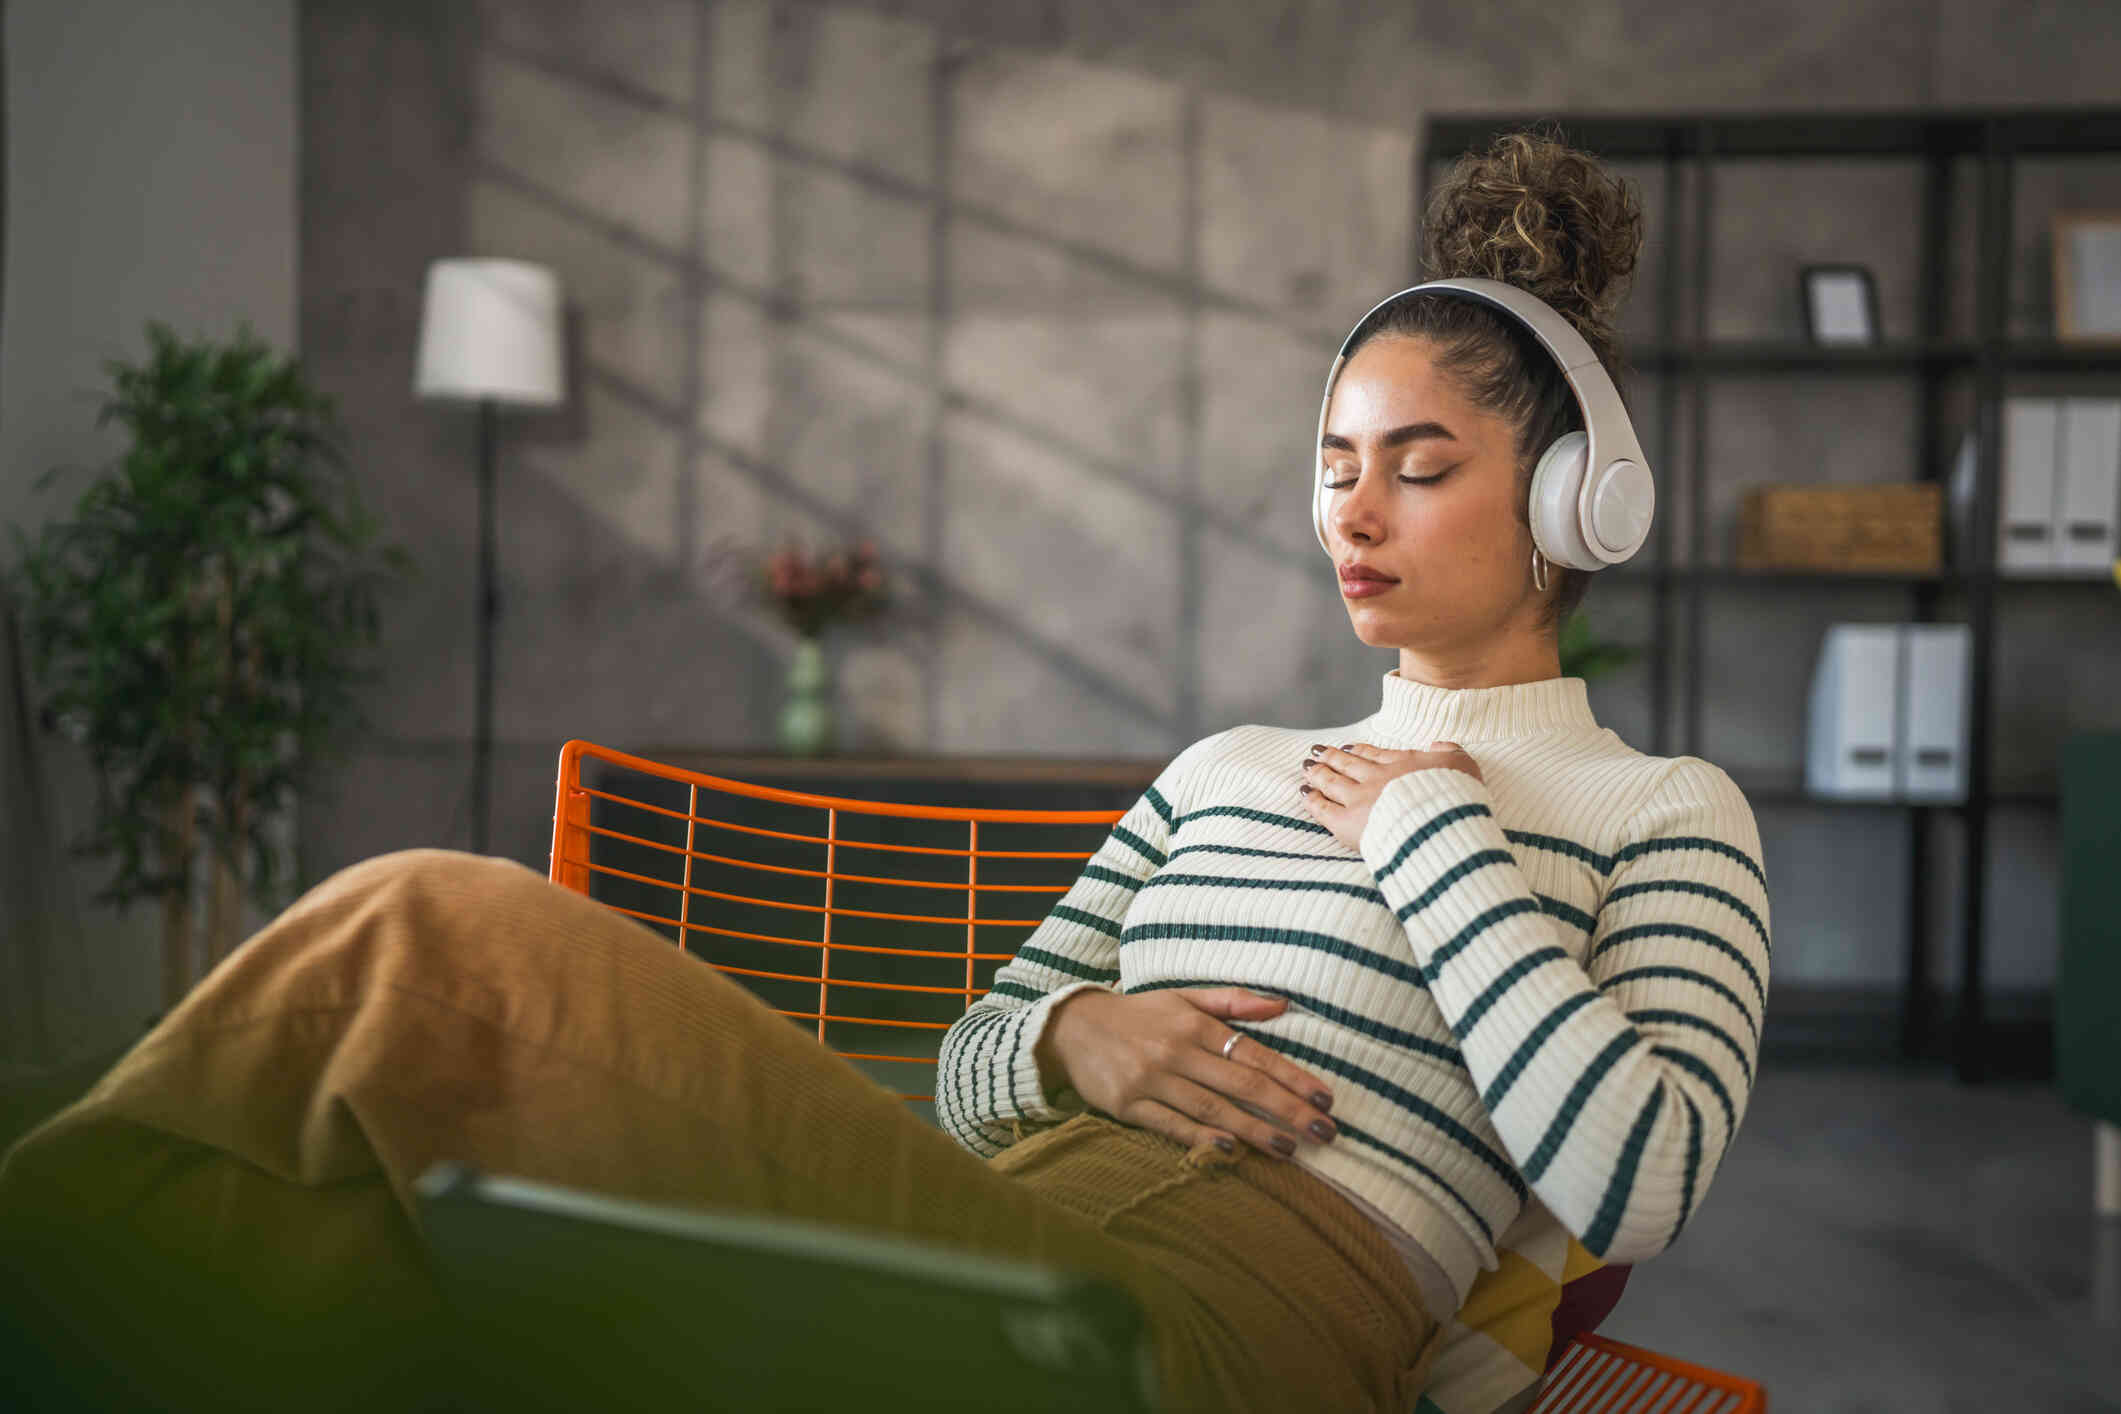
(1407, 480)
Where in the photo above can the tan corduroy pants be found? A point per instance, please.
(224, 1221)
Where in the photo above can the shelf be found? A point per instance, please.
(1744, 356)
(1808, 134)
(1966, 162)
(1796, 356)
(1726, 576)
(1783, 788)
(2048, 356)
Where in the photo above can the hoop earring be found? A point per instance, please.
(1539, 570)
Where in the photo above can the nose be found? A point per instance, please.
(1356, 517)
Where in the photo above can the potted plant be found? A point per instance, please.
(199, 626)
(1584, 655)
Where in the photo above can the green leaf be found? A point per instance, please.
(201, 620)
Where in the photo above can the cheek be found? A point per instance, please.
(1468, 531)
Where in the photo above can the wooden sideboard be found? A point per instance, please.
(986, 782)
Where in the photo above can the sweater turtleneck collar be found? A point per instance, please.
(1413, 714)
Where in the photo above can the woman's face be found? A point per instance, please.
(1424, 496)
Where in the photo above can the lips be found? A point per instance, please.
(1361, 581)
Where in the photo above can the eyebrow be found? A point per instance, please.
(1398, 436)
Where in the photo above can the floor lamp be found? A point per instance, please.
(489, 335)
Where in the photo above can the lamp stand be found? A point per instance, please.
(489, 610)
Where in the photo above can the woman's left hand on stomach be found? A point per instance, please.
(1342, 783)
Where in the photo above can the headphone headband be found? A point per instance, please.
(1613, 497)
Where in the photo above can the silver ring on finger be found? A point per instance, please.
(1231, 1044)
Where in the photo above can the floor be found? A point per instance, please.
(1888, 1240)
(1881, 1240)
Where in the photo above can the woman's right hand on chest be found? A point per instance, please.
(1157, 1060)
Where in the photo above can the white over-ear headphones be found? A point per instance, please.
(1592, 497)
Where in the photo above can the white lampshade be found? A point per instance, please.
(491, 329)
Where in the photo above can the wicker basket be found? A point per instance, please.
(1874, 529)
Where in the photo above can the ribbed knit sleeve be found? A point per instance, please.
(1616, 1079)
(987, 1086)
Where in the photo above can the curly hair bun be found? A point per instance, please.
(1533, 212)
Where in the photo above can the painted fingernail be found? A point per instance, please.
(1347, 746)
(1321, 1130)
(1321, 1100)
(1284, 1145)
(1225, 1143)
(1304, 789)
(1317, 748)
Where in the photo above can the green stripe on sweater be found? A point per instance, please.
(1354, 1021)
(1422, 835)
(1225, 881)
(1572, 1105)
(1160, 806)
(1139, 845)
(1707, 891)
(1693, 1164)
(1068, 965)
(1469, 865)
(1686, 974)
(982, 1021)
(1567, 912)
(1371, 1141)
(1326, 943)
(1363, 1137)
(1510, 977)
(1554, 844)
(1257, 853)
(1598, 1239)
(1657, 846)
(1637, 931)
(1263, 817)
(1695, 1066)
(1111, 876)
(1088, 920)
(1406, 1099)
(1500, 913)
(1665, 1016)
(1529, 1047)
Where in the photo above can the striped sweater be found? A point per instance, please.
(1545, 985)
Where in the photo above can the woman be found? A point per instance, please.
(1324, 1013)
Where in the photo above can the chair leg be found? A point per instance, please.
(2106, 1224)
(2106, 1170)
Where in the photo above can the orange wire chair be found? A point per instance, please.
(882, 923)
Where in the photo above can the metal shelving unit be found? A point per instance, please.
(1685, 360)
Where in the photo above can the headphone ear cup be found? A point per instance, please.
(1557, 489)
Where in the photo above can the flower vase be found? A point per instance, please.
(806, 717)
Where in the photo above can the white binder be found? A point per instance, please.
(1852, 734)
(1934, 716)
(2025, 521)
(1959, 501)
(2088, 496)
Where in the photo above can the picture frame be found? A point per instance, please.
(2087, 250)
(1840, 303)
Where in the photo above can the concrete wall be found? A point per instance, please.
(1040, 295)
(151, 157)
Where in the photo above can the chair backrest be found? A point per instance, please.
(879, 923)
(1609, 1377)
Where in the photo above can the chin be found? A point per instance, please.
(1372, 630)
